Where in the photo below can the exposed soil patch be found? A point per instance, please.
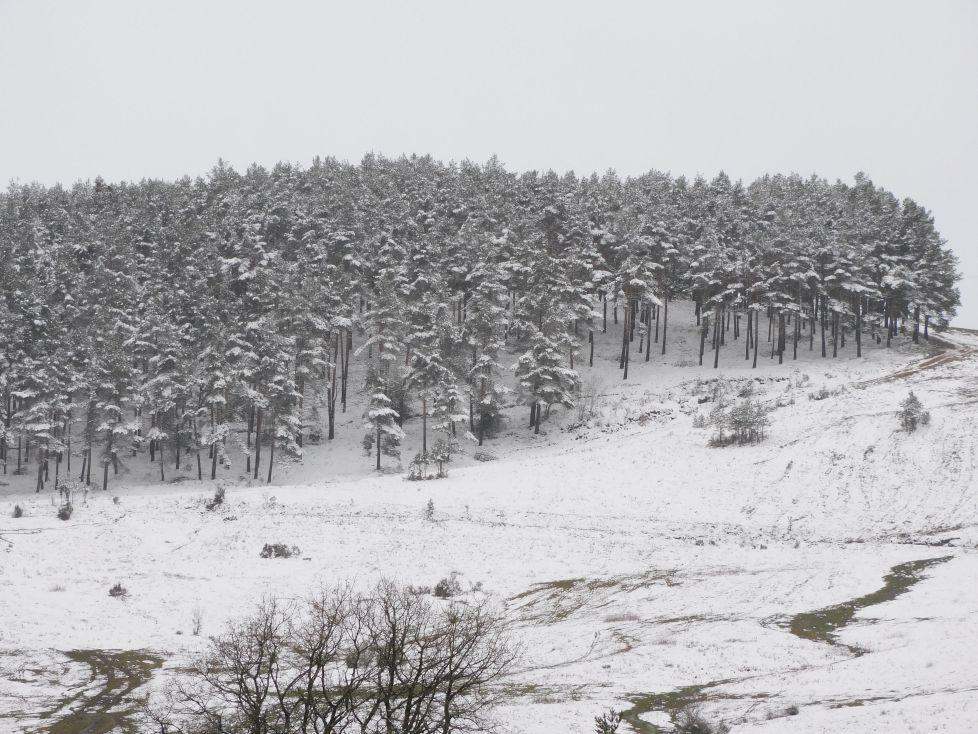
(104, 703)
(823, 625)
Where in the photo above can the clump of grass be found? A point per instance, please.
(279, 550)
(119, 591)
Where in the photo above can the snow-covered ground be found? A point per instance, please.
(633, 558)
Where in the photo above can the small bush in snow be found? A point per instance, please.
(279, 550)
(691, 721)
(197, 621)
(589, 400)
(821, 394)
(64, 512)
(118, 591)
(607, 723)
(18, 511)
(447, 588)
(429, 511)
(217, 500)
(912, 413)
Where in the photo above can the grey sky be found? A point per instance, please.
(137, 89)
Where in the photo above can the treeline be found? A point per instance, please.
(165, 316)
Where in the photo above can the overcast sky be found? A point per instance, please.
(129, 90)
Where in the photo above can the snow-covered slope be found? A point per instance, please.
(634, 559)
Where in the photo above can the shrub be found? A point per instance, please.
(279, 550)
(118, 591)
(197, 621)
(912, 413)
(344, 661)
(447, 587)
(18, 511)
(217, 500)
(691, 721)
(64, 512)
(587, 402)
(429, 511)
(607, 723)
(821, 394)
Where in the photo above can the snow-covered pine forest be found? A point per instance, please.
(186, 322)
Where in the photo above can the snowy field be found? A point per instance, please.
(640, 568)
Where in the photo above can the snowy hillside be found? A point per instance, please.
(641, 568)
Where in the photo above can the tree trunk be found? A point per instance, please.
(251, 425)
(748, 341)
(271, 460)
(757, 329)
(797, 325)
(346, 367)
(704, 327)
(835, 334)
(717, 336)
(200, 472)
(648, 333)
(665, 319)
(889, 321)
(40, 473)
(258, 416)
(179, 425)
(331, 404)
(822, 321)
(781, 337)
(627, 343)
(424, 425)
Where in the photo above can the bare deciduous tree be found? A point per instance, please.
(377, 663)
